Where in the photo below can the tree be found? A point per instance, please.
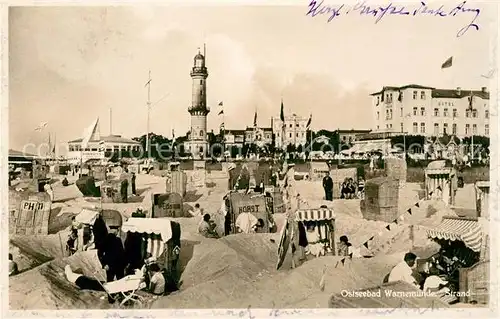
(300, 148)
(410, 141)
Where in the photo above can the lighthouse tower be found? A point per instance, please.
(198, 142)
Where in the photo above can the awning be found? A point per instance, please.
(87, 216)
(467, 231)
(314, 214)
(156, 226)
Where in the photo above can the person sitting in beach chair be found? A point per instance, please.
(157, 281)
(83, 282)
(72, 242)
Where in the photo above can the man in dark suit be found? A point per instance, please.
(328, 186)
(112, 257)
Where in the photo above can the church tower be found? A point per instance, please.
(198, 142)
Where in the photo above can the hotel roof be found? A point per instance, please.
(110, 139)
(439, 93)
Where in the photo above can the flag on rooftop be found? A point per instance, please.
(471, 100)
(309, 122)
(448, 63)
(282, 112)
(40, 127)
(255, 119)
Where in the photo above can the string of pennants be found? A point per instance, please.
(395, 221)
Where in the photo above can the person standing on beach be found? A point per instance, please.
(124, 190)
(328, 186)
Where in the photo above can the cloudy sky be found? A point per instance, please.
(69, 65)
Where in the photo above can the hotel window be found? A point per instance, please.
(422, 95)
(415, 111)
(474, 128)
(445, 112)
(297, 125)
(486, 129)
(467, 129)
(401, 112)
(297, 135)
(454, 129)
(390, 114)
(302, 135)
(378, 115)
(436, 112)
(415, 127)
(440, 103)
(290, 135)
(474, 113)
(291, 125)
(445, 128)
(401, 126)
(422, 127)
(378, 127)
(436, 129)
(414, 95)
(455, 113)
(467, 113)
(487, 114)
(422, 111)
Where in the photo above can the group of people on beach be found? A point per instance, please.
(117, 259)
(349, 189)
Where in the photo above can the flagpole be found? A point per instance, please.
(223, 132)
(148, 84)
(310, 145)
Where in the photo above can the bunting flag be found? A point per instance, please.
(222, 125)
(221, 112)
(401, 217)
(221, 103)
(309, 122)
(448, 63)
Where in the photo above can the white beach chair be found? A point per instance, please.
(127, 287)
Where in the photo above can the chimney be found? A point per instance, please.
(484, 89)
(459, 90)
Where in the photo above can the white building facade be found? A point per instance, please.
(294, 131)
(420, 110)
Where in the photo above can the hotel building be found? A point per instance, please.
(422, 110)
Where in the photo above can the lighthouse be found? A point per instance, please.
(198, 142)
